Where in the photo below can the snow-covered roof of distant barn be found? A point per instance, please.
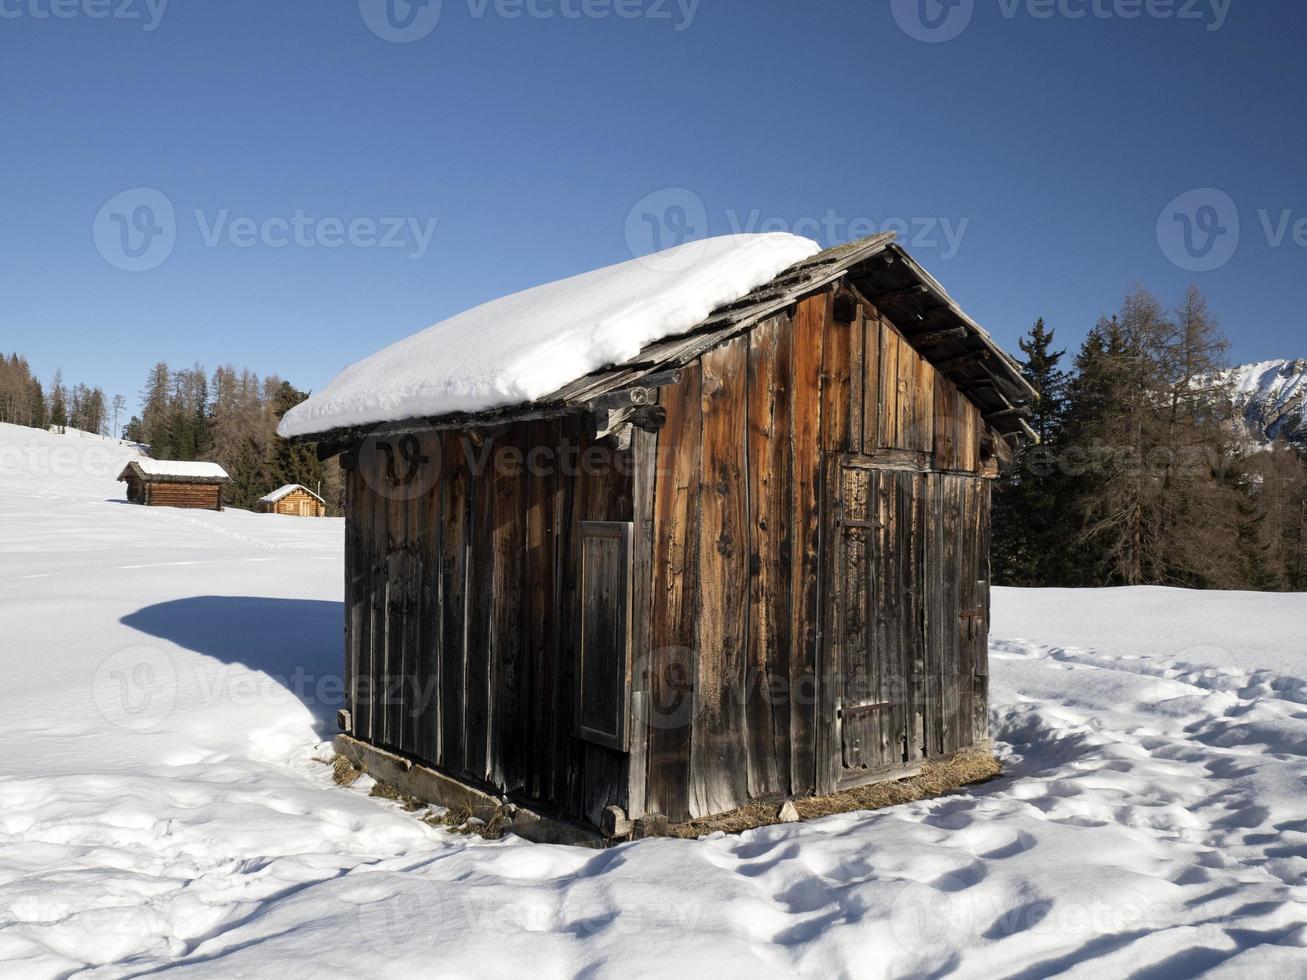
(562, 346)
(282, 492)
(175, 470)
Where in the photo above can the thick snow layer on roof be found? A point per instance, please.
(281, 492)
(180, 468)
(528, 345)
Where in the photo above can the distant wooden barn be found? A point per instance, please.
(174, 483)
(768, 577)
(292, 500)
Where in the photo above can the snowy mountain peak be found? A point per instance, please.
(1272, 395)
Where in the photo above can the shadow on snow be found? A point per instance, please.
(297, 642)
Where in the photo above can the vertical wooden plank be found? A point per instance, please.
(908, 421)
(805, 450)
(971, 430)
(926, 378)
(453, 612)
(953, 621)
(431, 514)
(718, 767)
(644, 447)
(603, 492)
(540, 564)
(857, 410)
(380, 600)
(768, 703)
(889, 414)
(481, 601)
(850, 585)
(946, 425)
(412, 707)
(980, 680)
(507, 762)
(872, 396)
(354, 582)
(836, 433)
(675, 599)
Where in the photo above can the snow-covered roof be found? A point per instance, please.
(286, 491)
(174, 469)
(522, 347)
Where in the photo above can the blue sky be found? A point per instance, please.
(1033, 158)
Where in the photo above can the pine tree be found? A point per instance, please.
(38, 416)
(292, 462)
(58, 401)
(1032, 525)
(154, 429)
(1150, 428)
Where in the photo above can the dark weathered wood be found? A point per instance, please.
(872, 391)
(456, 482)
(805, 593)
(478, 690)
(427, 674)
(857, 411)
(767, 704)
(718, 768)
(805, 450)
(508, 766)
(890, 415)
(603, 683)
(675, 603)
(643, 456)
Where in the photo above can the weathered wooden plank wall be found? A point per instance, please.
(460, 649)
(463, 579)
(192, 496)
(735, 624)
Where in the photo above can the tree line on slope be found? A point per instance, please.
(1146, 474)
(24, 401)
(231, 419)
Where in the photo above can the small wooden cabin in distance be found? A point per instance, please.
(174, 483)
(763, 574)
(292, 500)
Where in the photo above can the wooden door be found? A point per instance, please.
(957, 515)
(906, 613)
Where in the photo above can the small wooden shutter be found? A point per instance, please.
(603, 702)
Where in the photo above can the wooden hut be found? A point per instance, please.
(174, 483)
(767, 577)
(292, 500)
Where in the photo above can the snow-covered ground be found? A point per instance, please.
(169, 677)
